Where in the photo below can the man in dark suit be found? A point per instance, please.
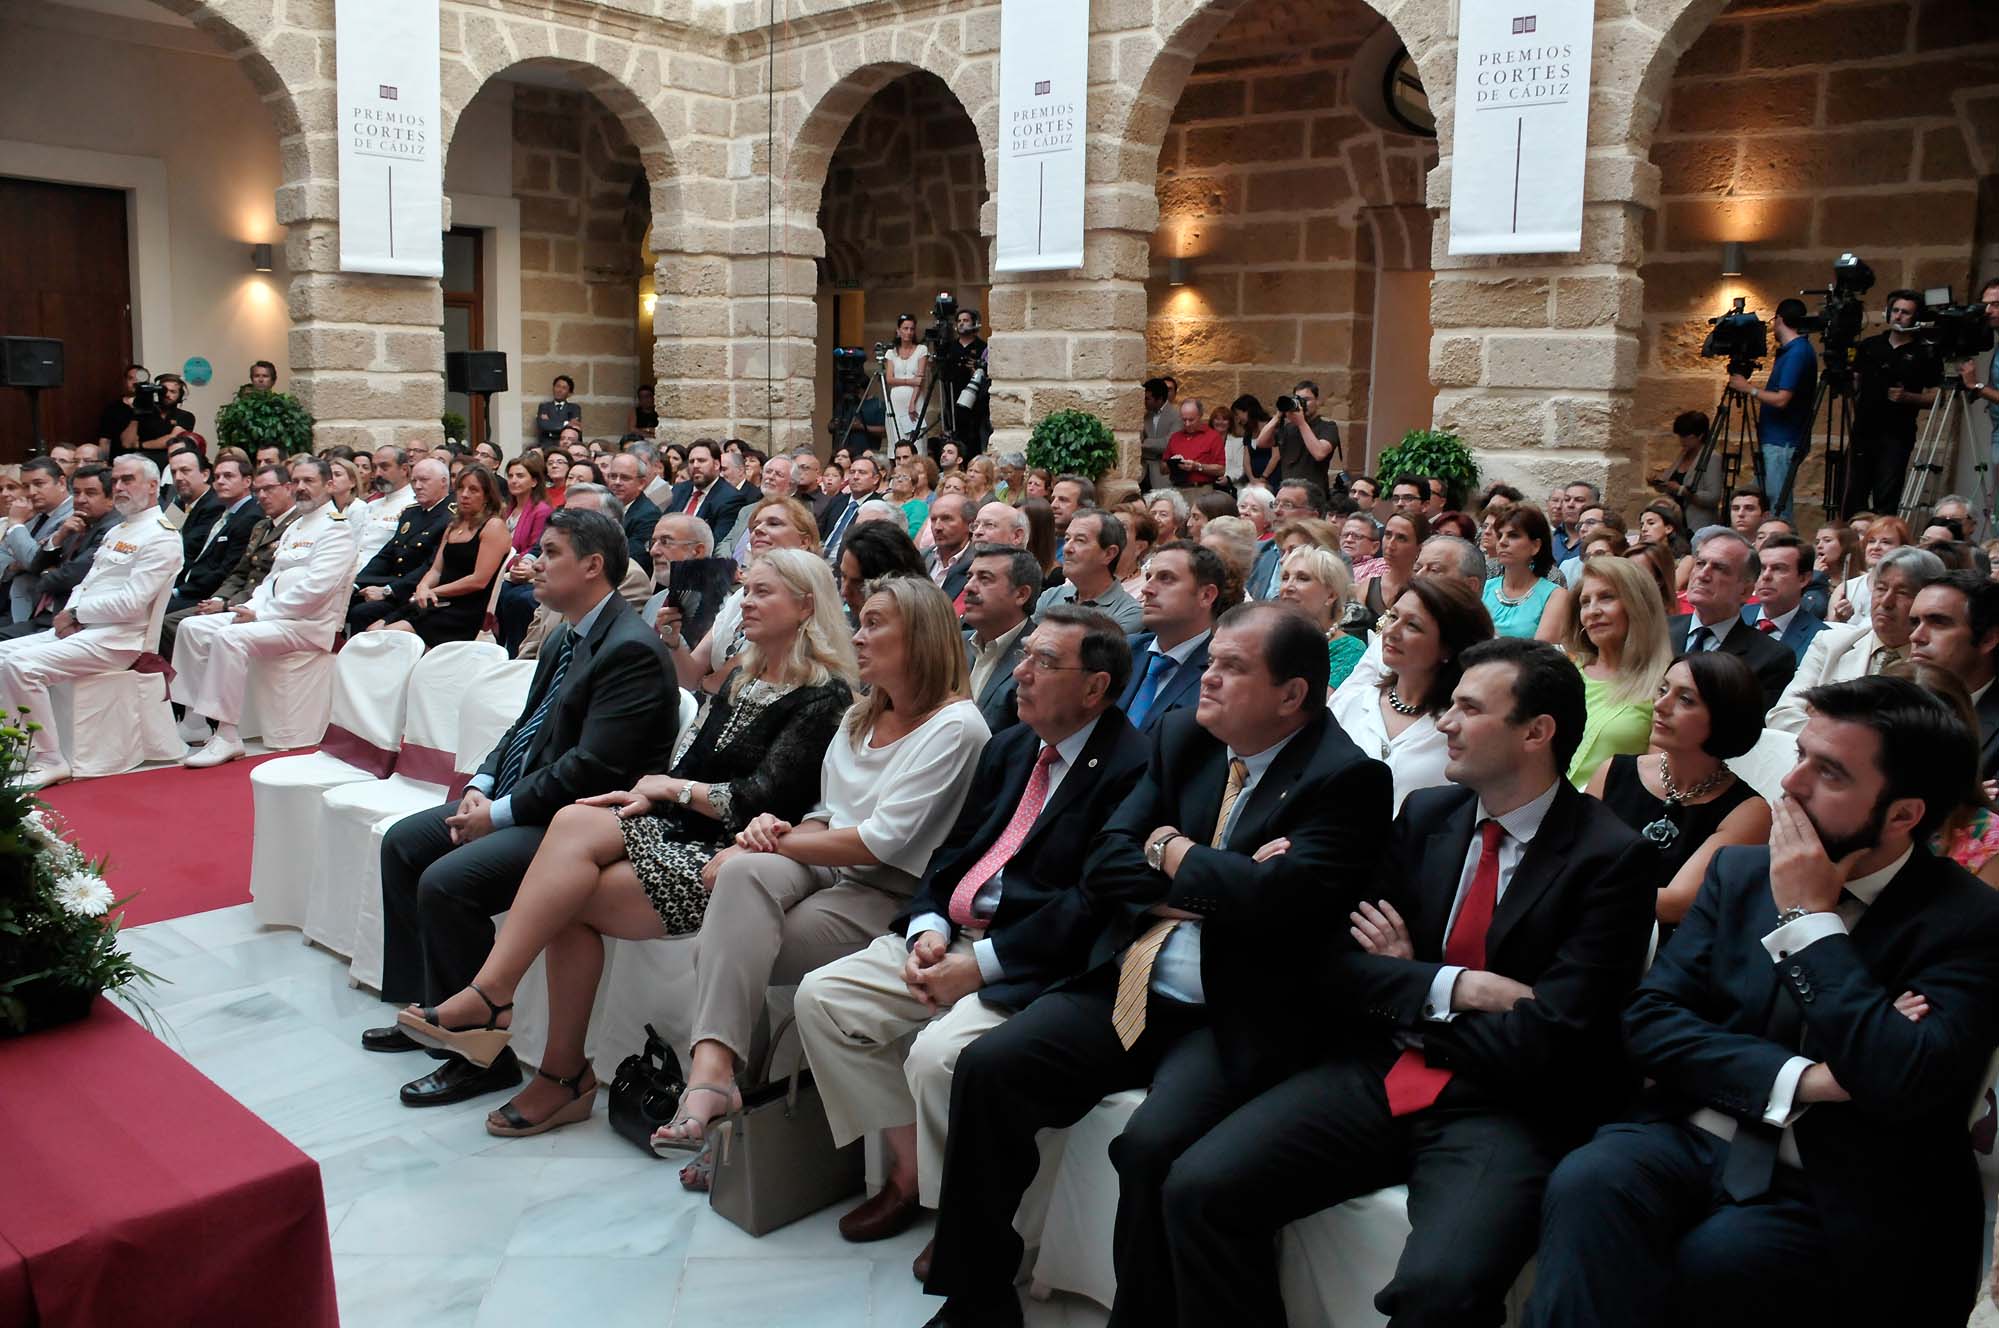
(1815, 1034)
(1254, 831)
(1725, 567)
(997, 918)
(602, 711)
(704, 493)
(863, 477)
(1182, 596)
(1957, 629)
(999, 596)
(222, 547)
(625, 477)
(1482, 997)
(1779, 612)
(273, 492)
(200, 506)
(389, 578)
(66, 555)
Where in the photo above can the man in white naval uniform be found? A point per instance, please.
(379, 518)
(103, 628)
(299, 606)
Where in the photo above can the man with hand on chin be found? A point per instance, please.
(1815, 1036)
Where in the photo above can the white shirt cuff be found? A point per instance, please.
(989, 964)
(923, 922)
(1782, 1111)
(1437, 1008)
(1794, 936)
(484, 783)
(502, 812)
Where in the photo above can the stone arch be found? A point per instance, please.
(1677, 25)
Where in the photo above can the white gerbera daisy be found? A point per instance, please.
(83, 895)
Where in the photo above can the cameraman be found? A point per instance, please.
(1896, 374)
(1305, 443)
(1698, 494)
(1981, 374)
(958, 364)
(1784, 424)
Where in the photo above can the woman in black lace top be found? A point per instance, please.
(629, 864)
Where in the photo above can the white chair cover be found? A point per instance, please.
(115, 722)
(1764, 766)
(371, 682)
(485, 707)
(288, 699)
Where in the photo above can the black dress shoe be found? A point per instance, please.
(978, 1312)
(458, 1080)
(388, 1039)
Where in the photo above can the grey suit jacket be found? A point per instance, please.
(23, 584)
(996, 702)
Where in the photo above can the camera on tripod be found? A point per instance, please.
(148, 398)
(1840, 319)
(850, 370)
(1741, 337)
(943, 329)
(1958, 331)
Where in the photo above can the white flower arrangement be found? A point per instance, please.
(84, 895)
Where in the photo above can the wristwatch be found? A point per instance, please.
(1789, 915)
(686, 794)
(1155, 852)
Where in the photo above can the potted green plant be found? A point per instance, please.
(1072, 442)
(1435, 452)
(455, 426)
(256, 419)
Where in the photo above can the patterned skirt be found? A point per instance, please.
(670, 871)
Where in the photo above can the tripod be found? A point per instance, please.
(877, 384)
(1731, 431)
(947, 414)
(1942, 433)
(1836, 386)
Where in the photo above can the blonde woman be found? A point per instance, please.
(981, 476)
(775, 523)
(631, 864)
(798, 892)
(1618, 639)
(1319, 583)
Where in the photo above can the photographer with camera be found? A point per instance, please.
(1981, 375)
(1784, 424)
(1698, 490)
(1305, 443)
(959, 365)
(1897, 375)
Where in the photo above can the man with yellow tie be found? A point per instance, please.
(1222, 885)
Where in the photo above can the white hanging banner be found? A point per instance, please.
(391, 174)
(1521, 126)
(1044, 95)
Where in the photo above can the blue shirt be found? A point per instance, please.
(502, 810)
(1796, 370)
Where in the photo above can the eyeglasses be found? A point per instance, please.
(1045, 663)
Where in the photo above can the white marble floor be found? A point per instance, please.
(435, 1222)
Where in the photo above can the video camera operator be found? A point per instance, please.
(958, 364)
(1783, 426)
(1306, 444)
(1897, 373)
(1981, 376)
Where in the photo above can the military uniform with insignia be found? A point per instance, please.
(400, 564)
(251, 569)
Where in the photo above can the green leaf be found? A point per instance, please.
(1431, 452)
(1072, 442)
(256, 419)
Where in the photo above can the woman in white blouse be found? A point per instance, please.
(908, 369)
(787, 899)
(1395, 717)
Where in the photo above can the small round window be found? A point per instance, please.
(1403, 97)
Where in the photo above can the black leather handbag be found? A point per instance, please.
(645, 1094)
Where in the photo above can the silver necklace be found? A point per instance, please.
(1400, 706)
(1664, 831)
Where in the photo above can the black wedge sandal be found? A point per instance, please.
(481, 1045)
(508, 1123)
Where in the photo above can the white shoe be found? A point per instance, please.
(219, 751)
(194, 729)
(41, 776)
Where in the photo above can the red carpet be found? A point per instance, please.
(179, 838)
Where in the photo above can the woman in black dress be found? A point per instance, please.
(449, 604)
(1682, 797)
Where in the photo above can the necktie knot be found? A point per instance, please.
(1699, 639)
(1768, 626)
(1490, 833)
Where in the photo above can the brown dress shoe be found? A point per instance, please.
(921, 1267)
(887, 1212)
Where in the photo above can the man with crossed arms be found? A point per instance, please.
(104, 627)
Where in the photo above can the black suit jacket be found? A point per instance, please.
(63, 568)
(1044, 925)
(614, 720)
(1988, 733)
(401, 563)
(956, 574)
(1771, 661)
(1323, 794)
(640, 518)
(1573, 924)
(1892, 1172)
(195, 524)
(718, 506)
(213, 564)
(1182, 688)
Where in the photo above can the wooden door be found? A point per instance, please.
(65, 273)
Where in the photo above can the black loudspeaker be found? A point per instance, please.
(30, 362)
(473, 371)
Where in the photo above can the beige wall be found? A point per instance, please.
(75, 83)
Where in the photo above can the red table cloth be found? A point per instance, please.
(134, 1191)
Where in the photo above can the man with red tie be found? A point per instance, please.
(1221, 888)
(1484, 999)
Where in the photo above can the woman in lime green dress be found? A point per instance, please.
(1318, 582)
(1617, 638)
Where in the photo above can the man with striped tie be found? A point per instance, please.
(602, 711)
(1478, 1007)
(1222, 885)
